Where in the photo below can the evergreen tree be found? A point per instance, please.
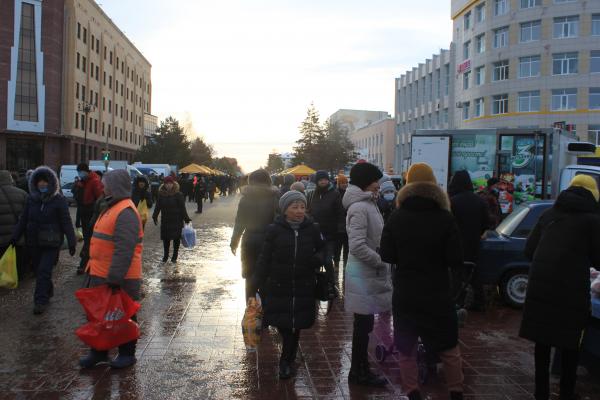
(229, 165)
(168, 146)
(308, 149)
(340, 150)
(202, 153)
(275, 163)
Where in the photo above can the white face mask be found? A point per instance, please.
(389, 196)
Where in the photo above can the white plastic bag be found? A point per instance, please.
(188, 236)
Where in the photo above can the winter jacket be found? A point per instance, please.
(91, 189)
(563, 246)
(48, 212)
(138, 194)
(12, 203)
(257, 210)
(368, 286)
(199, 191)
(126, 235)
(285, 273)
(342, 193)
(422, 239)
(471, 214)
(385, 207)
(493, 207)
(288, 180)
(170, 205)
(325, 207)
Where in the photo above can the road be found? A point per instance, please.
(192, 347)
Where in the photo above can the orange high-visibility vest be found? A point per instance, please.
(102, 245)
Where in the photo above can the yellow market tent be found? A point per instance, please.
(299, 170)
(197, 169)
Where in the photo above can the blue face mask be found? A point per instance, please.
(43, 189)
(389, 196)
(82, 174)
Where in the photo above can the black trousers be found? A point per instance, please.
(363, 325)
(289, 344)
(568, 375)
(86, 213)
(341, 248)
(167, 245)
(200, 204)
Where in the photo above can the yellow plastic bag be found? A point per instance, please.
(252, 324)
(143, 211)
(8, 269)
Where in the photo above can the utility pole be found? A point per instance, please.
(86, 108)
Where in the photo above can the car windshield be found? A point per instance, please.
(508, 226)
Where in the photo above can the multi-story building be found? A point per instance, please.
(424, 100)
(67, 72)
(528, 64)
(150, 126)
(351, 120)
(375, 143)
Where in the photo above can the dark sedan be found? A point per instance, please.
(502, 261)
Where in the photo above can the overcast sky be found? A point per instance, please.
(242, 73)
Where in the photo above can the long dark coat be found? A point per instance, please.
(285, 273)
(325, 207)
(256, 211)
(471, 213)
(171, 207)
(138, 194)
(422, 239)
(563, 246)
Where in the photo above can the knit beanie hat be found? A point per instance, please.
(384, 178)
(363, 174)
(420, 172)
(342, 179)
(298, 186)
(387, 186)
(321, 175)
(588, 183)
(288, 198)
(260, 177)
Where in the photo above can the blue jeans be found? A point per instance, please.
(43, 263)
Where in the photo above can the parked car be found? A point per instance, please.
(502, 261)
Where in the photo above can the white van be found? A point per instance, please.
(67, 176)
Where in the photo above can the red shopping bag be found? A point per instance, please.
(109, 314)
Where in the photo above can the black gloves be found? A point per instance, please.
(72, 250)
(13, 242)
(155, 221)
(113, 286)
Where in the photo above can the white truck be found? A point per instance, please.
(160, 169)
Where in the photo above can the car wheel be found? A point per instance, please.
(514, 288)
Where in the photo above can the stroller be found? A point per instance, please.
(463, 297)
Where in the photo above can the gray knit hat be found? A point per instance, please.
(288, 198)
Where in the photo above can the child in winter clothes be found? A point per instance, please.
(285, 275)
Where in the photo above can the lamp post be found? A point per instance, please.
(86, 108)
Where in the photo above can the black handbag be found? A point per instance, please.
(49, 238)
(325, 289)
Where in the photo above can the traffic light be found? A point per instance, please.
(106, 155)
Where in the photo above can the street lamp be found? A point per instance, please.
(86, 108)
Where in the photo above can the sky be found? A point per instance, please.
(241, 73)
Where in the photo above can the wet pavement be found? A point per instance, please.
(192, 346)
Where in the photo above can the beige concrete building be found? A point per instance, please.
(351, 120)
(375, 143)
(106, 73)
(528, 64)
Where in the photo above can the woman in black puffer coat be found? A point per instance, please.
(285, 275)
(563, 246)
(141, 191)
(171, 204)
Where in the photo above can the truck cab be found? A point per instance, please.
(571, 171)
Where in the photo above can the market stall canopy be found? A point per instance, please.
(299, 170)
(197, 169)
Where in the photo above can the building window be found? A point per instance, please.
(529, 67)
(566, 27)
(447, 83)
(565, 63)
(78, 30)
(76, 120)
(110, 58)
(97, 73)
(84, 35)
(83, 92)
(466, 50)
(564, 99)
(500, 71)
(110, 82)
(467, 20)
(78, 61)
(529, 101)
(466, 78)
(110, 106)
(93, 42)
(500, 104)
(594, 134)
(530, 31)
(103, 103)
(77, 90)
(595, 61)
(501, 37)
(596, 25)
(84, 64)
(480, 43)
(500, 7)
(480, 12)
(530, 3)
(82, 124)
(97, 46)
(594, 98)
(479, 107)
(480, 76)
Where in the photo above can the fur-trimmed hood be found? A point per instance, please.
(424, 190)
(162, 191)
(48, 174)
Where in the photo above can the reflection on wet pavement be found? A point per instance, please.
(192, 346)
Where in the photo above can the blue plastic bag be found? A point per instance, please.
(188, 236)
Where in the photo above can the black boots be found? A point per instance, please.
(364, 377)
(456, 395)
(285, 370)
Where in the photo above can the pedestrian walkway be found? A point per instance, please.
(192, 346)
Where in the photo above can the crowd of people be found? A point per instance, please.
(395, 245)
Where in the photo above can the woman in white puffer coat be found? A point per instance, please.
(368, 287)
